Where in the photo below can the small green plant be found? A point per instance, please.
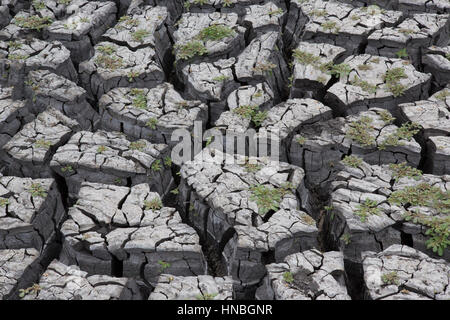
(340, 70)
(67, 168)
(275, 12)
(37, 190)
(352, 161)
(264, 67)
(405, 132)
(227, 3)
(359, 131)
(175, 191)
(406, 31)
(330, 26)
(426, 195)
(168, 161)
(251, 112)
(164, 265)
(137, 145)
(442, 95)
(66, 2)
(139, 35)
(38, 5)
(323, 80)
(4, 202)
(402, 53)
(401, 170)
(151, 123)
(156, 165)
(206, 296)
(17, 57)
(215, 33)
(190, 50)
(153, 204)
(392, 78)
(42, 144)
(107, 49)
(258, 118)
(132, 75)
(209, 140)
(109, 62)
(423, 195)
(386, 116)
(390, 278)
(308, 220)
(305, 57)
(346, 238)
(367, 208)
(34, 289)
(268, 198)
(301, 140)
(366, 86)
(14, 45)
(220, 78)
(438, 229)
(33, 22)
(101, 149)
(364, 67)
(288, 277)
(127, 21)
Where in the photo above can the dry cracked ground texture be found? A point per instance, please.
(356, 95)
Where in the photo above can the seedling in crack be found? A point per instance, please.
(37, 190)
(390, 278)
(288, 277)
(367, 208)
(153, 204)
(156, 165)
(164, 265)
(352, 161)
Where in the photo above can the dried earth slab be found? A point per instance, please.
(411, 37)
(108, 157)
(408, 7)
(249, 208)
(367, 81)
(373, 207)
(19, 57)
(207, 37)
(151, 114)
(370, 135)
(269, 131)
(29, 152)
(311, 72)
(433, 115)
(19, 269)
(112, 228)
(30, 212)
(336, 23)
(61, 282)
(144, 26)
(115, 66)
(402, 273)
(263, 61)
(81, 30)
(203, 287)
(436, 60)
(211, 83)
(309, 275)
(45, 89)
(268, 16)
(14, 113)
